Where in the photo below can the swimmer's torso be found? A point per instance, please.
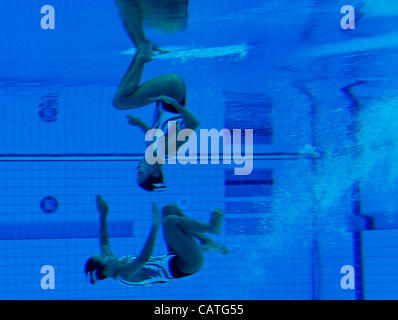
(170, 128)
(155, 271)
(171, 125)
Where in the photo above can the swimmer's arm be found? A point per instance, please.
(189, 119)
(103, 209)
(157, 115)
(104, 238)
(147, 251)
(137, 122)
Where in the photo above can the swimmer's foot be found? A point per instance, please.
(216, 220)
(213, 246)
(148, 50)
(144, 55)
(158, 51)
(145, 51)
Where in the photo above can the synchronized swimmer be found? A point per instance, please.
(168, 91)
(182, 236)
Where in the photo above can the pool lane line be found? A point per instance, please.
(51, 230)
(316, 276)
(355, 108)
(135, 157)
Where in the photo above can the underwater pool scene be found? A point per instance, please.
(316, 217)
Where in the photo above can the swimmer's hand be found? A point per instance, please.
(137, 122)
(102, 206)
(134, 121)
(157, 51)
(155, 215)
(218, 211)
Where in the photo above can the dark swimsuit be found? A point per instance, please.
(175, 271)
(161, 269)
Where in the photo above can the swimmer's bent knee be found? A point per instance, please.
(116, 102)
(176, 81)
(194, 263)
(120, 103)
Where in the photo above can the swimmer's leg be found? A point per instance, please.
(192, 226)
(167, 211)
(130, 83)
(131, 15)
(179, 233)
(130, 95)
(190, 256)
(207, 244)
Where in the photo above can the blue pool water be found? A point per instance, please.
(322, 103)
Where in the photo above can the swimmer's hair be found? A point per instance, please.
(153, 183)
(94, 270)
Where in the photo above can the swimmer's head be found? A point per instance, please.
(100, 267)
(150, 177)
